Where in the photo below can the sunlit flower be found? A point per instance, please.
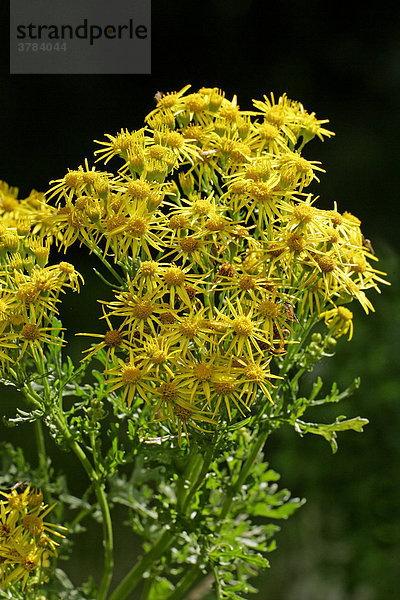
(339, 320)
(129, 377)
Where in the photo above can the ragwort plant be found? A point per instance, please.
(229, 284)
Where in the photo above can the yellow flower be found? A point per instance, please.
(186, 414)
(111, 341)
(226, 389)
(296, 171)
(169, 100)
(80, 181)
(67, 272)
(182, 148)
(33, 338)
(188, 331)
(131, 377)
(269, 137)
(26, 539)
(175, 280)
(157, 355)
(256, 375)
(339, 320)
(129, 233)
(280, 114)
(197, 375)
(243, 333)
(120, 144)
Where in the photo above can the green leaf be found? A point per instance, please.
(335, 395)
(328, 431)
(278, 512)
(160, 588)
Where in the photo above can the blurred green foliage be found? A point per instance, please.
(344, 544)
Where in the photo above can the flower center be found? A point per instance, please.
(215, 224)
(131, 374)
(189, 244)
(247, 283)
(113, 338)
(254, 373)
(174, 276)
(303, 213)
(188, 328)
(177, 222)
(327, 264)
(202, 372)
(138, 189)
(223, 388)
(182, 413)
(148, 267)
(268, 131)
(268, 309)
(168, 391)
(243, 326)
(226, 270)
(30, 332)
(174, 140)
(33, 524)
(143, 309)
(201, 207)
(136, 226)
(295, 242)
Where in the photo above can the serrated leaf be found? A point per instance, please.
(329, 430)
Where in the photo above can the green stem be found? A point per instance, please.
(41, 449)
(185, 584)
(244, 472)
(134, 576)
(294, 348)
(146, 589)
(98, 487)
(105, 262)
(199, 478)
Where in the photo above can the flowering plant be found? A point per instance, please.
(229, 284)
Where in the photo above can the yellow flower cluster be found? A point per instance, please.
(26, 539)
(220, 246)
(29, 288)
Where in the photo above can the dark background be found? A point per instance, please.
(344, 64)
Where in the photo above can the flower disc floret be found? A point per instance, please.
(189, 244)
(254, 372)
(266, 308)
(168, 391)
(327, 264)
(30, 331)
(136, 226)
(243, 325)
(148, 268)
(295, 242)
(303, 213)
(223, 388)
(143, 309)
(189, 327)
(130, 374)
(247, 282)
(174, 276)
(202, 372)
(113, 338)
(178, 222)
